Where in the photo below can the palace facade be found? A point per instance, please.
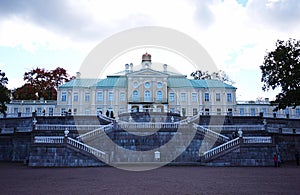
(147, 89)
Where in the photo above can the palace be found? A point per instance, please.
(147, 89)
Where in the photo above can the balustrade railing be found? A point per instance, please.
(210, 132)
(79, 145)
(257, 140)
(221, 148)
(95, 132)
(151, 125)
(235, 127)
(283, 130)
(45, 127)
(48, 139)
(98, 153)
(236, 141)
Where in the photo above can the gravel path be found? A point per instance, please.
(16, 178)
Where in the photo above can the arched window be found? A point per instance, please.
(135, 95)
(159, 96)
(147, 96)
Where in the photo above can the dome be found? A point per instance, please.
(146, 57)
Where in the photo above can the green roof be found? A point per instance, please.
(86, 83)
(121, 81)
(80, 83)
(180, 82)
(112, 82)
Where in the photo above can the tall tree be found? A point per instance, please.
(4, 92)
(221, 75)
(281, 69)
(41, 83)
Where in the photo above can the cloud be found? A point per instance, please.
(282, 15)
(57, 16)
(204, 17)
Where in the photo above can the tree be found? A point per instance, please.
(221, 75)
(4, 92)
(281, 69)
(41, 83)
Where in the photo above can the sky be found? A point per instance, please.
(236, 33)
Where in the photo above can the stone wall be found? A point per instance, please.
(60, 156)
(15, 147)
(246, 155)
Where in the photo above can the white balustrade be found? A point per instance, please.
(48, 139)
(98, 153)
(235, 127)
(104, 128)
(46, 127)
(209, 132)
(257, 140)
(221, 148)
(151, 125)
(236, 141)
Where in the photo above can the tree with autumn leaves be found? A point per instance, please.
(41, 83)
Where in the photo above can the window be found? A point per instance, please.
(183, 97)
(110, 96)
(159, 96)
(50, 111)
(297, 111)
(264, 110)
(194, 97)
(27, 110)
(147, 84)
(122, 97)
(87, 111)
(75, 97)
(99, 96)
(122, 110)
(229, 97)
(135, 84)
(242, 111)
(159, 85)
(74, 111)
(87, 97)
(63, 111)
(171, 97)
(218, 111)
(252, 111)
(218, 97)
(147, 96)
(63, 96)
(16, 110)
(206, 97)
(135, 96)
(195, 111)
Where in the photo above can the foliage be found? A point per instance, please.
(221, 75)
(41, 83)
(281, 69)
(4, 92)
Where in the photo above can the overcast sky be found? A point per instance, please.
(236, 33)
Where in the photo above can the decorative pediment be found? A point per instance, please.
(147, 73)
